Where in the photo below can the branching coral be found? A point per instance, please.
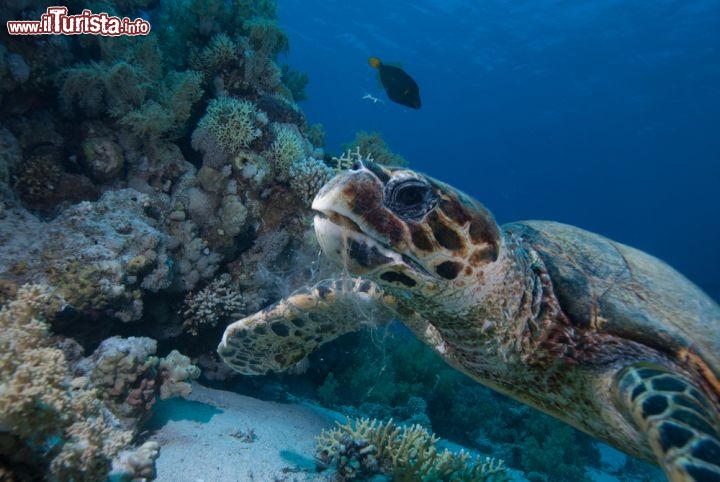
(288, 147)
(219, 52)
(348, 158)
(231, 123)
(372, 144)
(365, 447)
(217, 302)
(307, 176)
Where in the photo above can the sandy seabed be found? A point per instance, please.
(219, 436)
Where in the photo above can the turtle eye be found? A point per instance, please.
(410, 198)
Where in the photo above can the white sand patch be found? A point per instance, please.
(205, 438)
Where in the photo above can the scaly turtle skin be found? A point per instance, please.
(600, 335)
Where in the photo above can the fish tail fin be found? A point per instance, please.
(374, 62)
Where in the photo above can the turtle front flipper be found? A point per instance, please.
(681, 423)
(284, 333)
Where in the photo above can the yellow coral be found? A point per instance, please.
(33, 393)
(40, 406)
(348, 158)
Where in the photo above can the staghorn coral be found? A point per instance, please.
(217, 302)
(348, 158)
(367, 447)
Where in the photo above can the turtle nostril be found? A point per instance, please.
(356, 166)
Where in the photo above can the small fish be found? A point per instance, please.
(400, 87)
(372, 98)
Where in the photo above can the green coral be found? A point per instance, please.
(288, 147)
(220, 51)
(266, 36)
(365, 447)
(295, 82)
(130, 85)
(232, 123)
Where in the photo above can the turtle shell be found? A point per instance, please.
(611, 288)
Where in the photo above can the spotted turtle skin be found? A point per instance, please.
(600, 335)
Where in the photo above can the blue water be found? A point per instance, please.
(602, 114)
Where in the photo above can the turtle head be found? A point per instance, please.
(405, 230)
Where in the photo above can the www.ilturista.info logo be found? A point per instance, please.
(57, 22)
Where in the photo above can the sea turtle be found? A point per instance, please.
(598, 334)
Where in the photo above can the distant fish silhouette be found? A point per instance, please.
(400, 87)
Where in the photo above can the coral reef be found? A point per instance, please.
(66, 253)
(307, 176)
(229, 123)
(51, 420)
(129, 376)
(287, 148)
(364, 447)
(176, 372)
(132, 172)
(217, 302)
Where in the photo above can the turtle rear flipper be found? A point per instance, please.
(284, 333)
(682, 425)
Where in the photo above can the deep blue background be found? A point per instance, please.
(602, 114)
